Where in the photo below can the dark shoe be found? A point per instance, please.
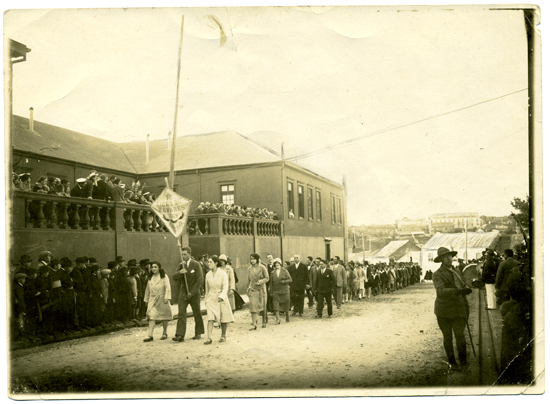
(318, 316)
(177, 338)
(330, 316)
(222, 339)
(253, 328)
(208, 341)
(149, 339)
(264, 325)
(301, 315)
(196, 337)
(164, 336)
(455, 367)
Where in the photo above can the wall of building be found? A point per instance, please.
(313, 228)
(314, 246)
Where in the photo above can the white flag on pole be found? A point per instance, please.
(173, 210)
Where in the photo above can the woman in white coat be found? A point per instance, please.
(216, 299)
(157, 296)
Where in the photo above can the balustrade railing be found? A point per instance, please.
(220, 224)
(34, 210)
(56, 212)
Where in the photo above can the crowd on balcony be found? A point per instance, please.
(235, 210)
(94, 186)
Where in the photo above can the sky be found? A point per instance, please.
(423, 110)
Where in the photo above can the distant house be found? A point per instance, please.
(448, 222)
(469, 246)
(398, 250)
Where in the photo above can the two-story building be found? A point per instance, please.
(218, 167)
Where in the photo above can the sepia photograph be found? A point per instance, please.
(276, 201)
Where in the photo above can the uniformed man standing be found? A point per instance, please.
(451, 307)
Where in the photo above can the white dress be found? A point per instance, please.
(216, 286)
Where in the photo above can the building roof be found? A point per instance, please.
(193, 152)
(198, 151)
(457, 214)
(53, 141)
(389, 249)
(458, 240)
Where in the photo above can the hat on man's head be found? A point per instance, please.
(20, 275)
(25, 258)
(144, 262)
(119, 259)
(81, 260)
(44, 254)
(132, 263)
(81, 180)
(92, 260)
(111, 264)
(441, 251)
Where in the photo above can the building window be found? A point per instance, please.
(290, 194)
(333, 209)
(301, 202)
(319, 211)
(310, 203)
(339, 211)
(430, 257)
(228, 194)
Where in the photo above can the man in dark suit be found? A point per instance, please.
(300, 278)
(190, 276)
(314, 271)
(451, 306)
(325, 283)
(269, 266)
(310, 267)
(503, 273)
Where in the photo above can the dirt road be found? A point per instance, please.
(388, 341)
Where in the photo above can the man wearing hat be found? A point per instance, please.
(144, 266)
(77, 191)
(25, 263)
(18, 304)
(189, 275)
(488, 276)
(451, 306)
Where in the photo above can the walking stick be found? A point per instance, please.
(471, 340)
(469, 332)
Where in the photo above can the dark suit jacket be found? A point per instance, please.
(194, 279)
(102, 191)
(504, 270)
(448, 302)
(313, 273)
(325, 281)
(76, 191)
(299, 277)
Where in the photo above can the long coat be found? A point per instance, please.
(257, 278)
(216, 287)
(340, 275)
(158, 290)
(448, 302)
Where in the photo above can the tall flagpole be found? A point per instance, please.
(173, 151)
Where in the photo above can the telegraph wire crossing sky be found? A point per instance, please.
(424, 112)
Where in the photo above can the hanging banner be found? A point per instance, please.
(172, 209)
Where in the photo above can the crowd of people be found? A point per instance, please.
(94, 186)
(507, 283)
(59, 296)
(235, 210)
